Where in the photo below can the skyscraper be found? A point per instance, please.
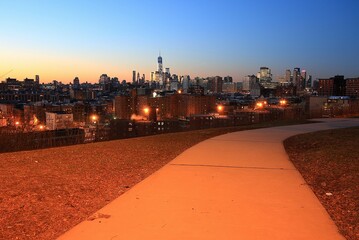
(104, 79)
(159, 72)
(185, 80)
(296, 77)
(160, 66)
(265, 72)
(152, 76)
(303, 79)
(133, 76)
(288, 77)
(76, 82)
(309, 81)
(228, 79)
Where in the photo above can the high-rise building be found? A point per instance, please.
(152, 76)
(215, 84)
(160, 66)
(296, 77)
(37, 79)
(159, 73)
(303, 74)
(229, 87)
(251, 84)
(265, 72)
(76, 82)
(303, 79)
(104, 79)
(185, 80)
(134, 77)
(288, 77)
(309, 81)
(228, 79)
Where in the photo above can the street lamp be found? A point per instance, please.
(283, 102)
(259, 105)
(94, 118)
(219, 108)
(146, 110)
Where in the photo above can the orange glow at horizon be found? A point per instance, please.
(57, 66)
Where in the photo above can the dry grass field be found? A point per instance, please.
(46, 192)
(329, 162)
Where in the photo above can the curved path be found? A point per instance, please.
(235, 186)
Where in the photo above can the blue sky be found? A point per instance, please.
(63, 39)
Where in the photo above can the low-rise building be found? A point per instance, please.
(59, 120)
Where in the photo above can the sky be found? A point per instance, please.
(61, 40)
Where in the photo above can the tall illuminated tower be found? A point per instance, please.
(160, 66)
(160, 70)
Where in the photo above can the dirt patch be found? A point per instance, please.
(329, 162)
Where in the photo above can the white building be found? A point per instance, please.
(229, 87)
(248, 82)
(185, 83)
(59, 120)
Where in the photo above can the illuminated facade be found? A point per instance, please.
(59, 120)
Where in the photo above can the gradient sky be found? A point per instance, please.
(63, 39)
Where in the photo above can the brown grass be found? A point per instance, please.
(46, 192)
(329, 162)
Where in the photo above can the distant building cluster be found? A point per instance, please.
(296, 83)
(162, 79)
(29, 105)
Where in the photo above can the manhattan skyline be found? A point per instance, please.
(62, 40)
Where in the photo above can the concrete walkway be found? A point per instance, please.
(235, 186)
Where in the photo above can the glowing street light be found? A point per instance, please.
(146, 110)
(259, 105)
(17, 123)
(220, 108)
(94, 118)
(283, 102)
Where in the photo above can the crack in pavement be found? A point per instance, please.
(240, 140)
(223, 166)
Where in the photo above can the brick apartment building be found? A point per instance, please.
(352, 87)
(166, 107)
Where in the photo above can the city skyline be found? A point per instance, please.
(64, 40)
